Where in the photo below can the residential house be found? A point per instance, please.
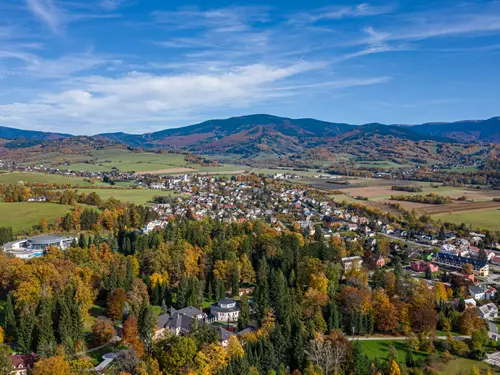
(489, 311)
(178, 321)
(455, 263)
(22, 363)
(350, 262)
(225, 310)
(421, 266)
(477, 292)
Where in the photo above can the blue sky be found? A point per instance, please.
(94, 66)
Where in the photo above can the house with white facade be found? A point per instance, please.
(225, 310)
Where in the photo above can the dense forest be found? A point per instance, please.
(304, 303)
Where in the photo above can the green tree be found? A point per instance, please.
(362, 364)
(5, 363)
(235, 284)
(25, 332)
(10, 319)
(146, 324)
(244, 315)
(65, 325)
(46, 341)
(176, 355)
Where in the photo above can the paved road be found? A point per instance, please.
(407, 241)
(397, 338)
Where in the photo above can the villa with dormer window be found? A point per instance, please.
(225, 310)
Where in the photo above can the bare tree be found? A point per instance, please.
(329, 356)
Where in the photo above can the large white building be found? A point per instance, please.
(226, 310)
(33, 247)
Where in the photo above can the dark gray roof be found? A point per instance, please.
(217, 308)
(226, 301)
(476, 289)
(162, 321)
(45, 239)
(189, 311)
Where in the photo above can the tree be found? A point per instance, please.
(130, 336)
(10, 320)
(25, 332)
(116, 302)
(394, 370)
(146, 324)
(46, 341)
(43, 224)
(176, 354)
(244, 315)
(52, 366)
(127, 361)
(362, 364)
(5, 363)
(103, 331)
(234, 348)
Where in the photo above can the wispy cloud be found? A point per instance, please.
(339, 12)
(47, 12)
(156, 99)
(111, 4)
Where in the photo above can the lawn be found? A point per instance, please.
(464, 366)
(24, 215)
(136, 196)
(127, 161)
(489, 219)
(380, 349)
(16, 177)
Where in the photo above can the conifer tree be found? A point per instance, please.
(25, 331)
(46, 342)
(244, 315)
(146, 324)
(65, 325)
(10, 319)
(81, 241)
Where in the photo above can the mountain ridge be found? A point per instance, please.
(280, 135)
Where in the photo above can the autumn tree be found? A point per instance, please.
(103, 331)
(130, 336)
(52, 366)
(115, 304)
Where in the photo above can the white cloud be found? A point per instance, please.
(46, 12)
(99, 104)
(111, 4)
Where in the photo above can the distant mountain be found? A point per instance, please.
(241, 135)
(375, 129)
(11, 133)
(263, 133)
(487, 131)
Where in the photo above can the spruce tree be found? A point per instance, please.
(210, 292)
(25, 332)
(65, 325)
(235, 285)
(146, 324)
(10, 319)
(244, 315)
(129, 277)
(362, 364)
(46, 341)
(81, 241)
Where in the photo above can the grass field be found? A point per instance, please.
(127, 161)
(22, 216)
(479, 210)
(489, 219)
(381, 349)
(136, 196)
(16, 177)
